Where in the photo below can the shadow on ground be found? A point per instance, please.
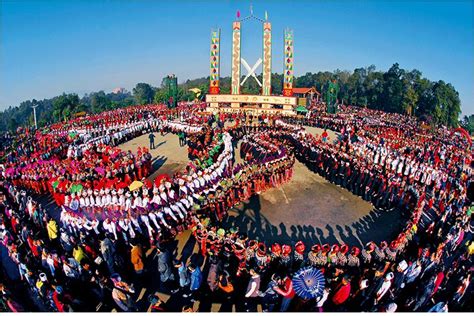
(376, 226)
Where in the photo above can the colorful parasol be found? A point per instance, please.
(135, 185)
(75, 188)
(100, 170)
(159, 178)
(308, 283)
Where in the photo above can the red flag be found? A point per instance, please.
(238, 14)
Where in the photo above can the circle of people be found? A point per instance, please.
(385, 158)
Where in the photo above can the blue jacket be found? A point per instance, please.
(183, 276)
(196, 279)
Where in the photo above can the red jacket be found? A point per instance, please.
(288, 292)
(341, 294)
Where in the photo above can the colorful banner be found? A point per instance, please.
(251, 99)
(288, 74)
(235, 81)
(214, 62)
(267, 59)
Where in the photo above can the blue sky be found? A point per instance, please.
(50, 47)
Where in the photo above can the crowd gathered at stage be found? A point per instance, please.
(84, 227)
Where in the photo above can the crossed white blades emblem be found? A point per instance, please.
(251, 71)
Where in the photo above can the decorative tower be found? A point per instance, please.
(267, 58)
(215, 61)
(288, 75)
(235, 75)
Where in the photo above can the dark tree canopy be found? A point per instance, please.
(395, 90)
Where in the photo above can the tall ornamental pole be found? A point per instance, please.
(288, 75)
(34, 114)
(235, 75)
(215, 62)
(267, 57)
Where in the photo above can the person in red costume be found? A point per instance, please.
(287, 292)
(342, 292)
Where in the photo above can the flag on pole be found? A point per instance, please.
(238, 14)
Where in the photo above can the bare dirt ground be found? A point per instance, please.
(168, 156)
(308, 208)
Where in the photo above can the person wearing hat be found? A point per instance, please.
(367, 252)
(285, 256)
(341, 255)
(313, 256)
(399, 277)
(42, 285)
(298, 257)
(333, 255)
(261, 257)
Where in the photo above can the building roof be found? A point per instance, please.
(305, 90)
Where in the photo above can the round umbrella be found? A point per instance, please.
(55, 184)
(308, 283)
(159, 178)
(135, 185)
(100, 170)
(75, 188)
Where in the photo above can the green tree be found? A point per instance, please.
(65, 105)
(12, 124)
(393, 88)
(410, 99)
(143, 93)
(161, 96)
(446, 105)
(99, 102)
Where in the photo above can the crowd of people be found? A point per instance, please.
(111, 238)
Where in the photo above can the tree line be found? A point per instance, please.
(395, 90)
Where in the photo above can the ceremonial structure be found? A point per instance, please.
(236, 101)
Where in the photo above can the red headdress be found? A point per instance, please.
(300, 247)
(286, 250)
(316, 248)
(355, 251)
(326, 248)
(276, 249)
(344, 249)
(262, 249)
